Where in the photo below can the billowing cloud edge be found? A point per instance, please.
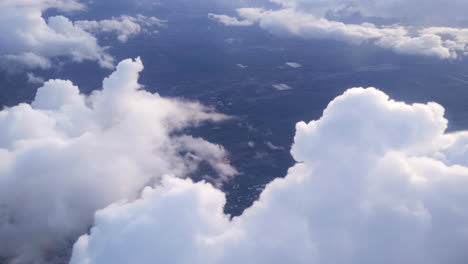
(66, 155)
(377, 181)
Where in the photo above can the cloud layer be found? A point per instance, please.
(378, 181)
(321, 20)
(66, 155)
(410, 12)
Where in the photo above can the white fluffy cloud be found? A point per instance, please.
(412, 12)
(124, 26)
(31, 41)
(66, 155)
(309, 19)
(379, 182)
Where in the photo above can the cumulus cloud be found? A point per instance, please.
(66, 155)
(31, 41)
(124, 26)
(378, 181)
(311, 19)
(454, 38)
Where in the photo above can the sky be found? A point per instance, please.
(218, 132)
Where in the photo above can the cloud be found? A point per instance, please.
(64, 5)
(34, 79)
(454, 38)
(124, 26)
(281, 87)
(410, 12)
(425, 44)
(31, 41)
(415, 12)
(230, 21)
(28, 59)
(66, 155)
(313, 20)
(378, 181)
(294, 65)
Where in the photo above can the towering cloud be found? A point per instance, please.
(66, 155)
(405, 32)
(378, 181)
